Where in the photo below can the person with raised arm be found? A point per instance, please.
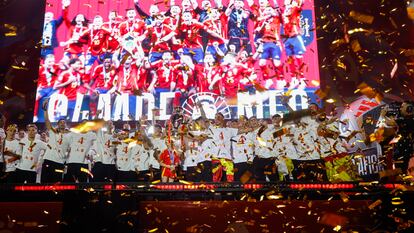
(49, 37)
(56, 152)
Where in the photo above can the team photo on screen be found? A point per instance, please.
(118, 60)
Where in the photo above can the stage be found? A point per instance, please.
(212, 207)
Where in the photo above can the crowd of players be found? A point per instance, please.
(188, 49)
(299, 147)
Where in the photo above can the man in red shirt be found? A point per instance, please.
(48, 73)
(160, 35)
(68, 84)
(132, 33)
(96, 37)
(185, 80)
(216, 22)
(74, 46)
(126, 83)
(269, 27)
(294, 45)
(189, 32)
(113, 27)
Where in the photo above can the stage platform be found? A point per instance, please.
(208, 207)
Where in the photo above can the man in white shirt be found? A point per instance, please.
(123, 159)
(57, 151)
(104, 168)
(158, 142)
(77, 162)
(265, 160)
(31, 150)
(222, 160)
(11, 152)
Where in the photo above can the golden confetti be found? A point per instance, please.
(337, 228)
(88, 126)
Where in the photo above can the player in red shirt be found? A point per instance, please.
(216, 22)
(74, 46)
(294, 45)
(97, 39)
(48, 73)
(103, 76)
(189, 32)
(169, 161)
(163, 71)
(113, 27)
(185, 82)
(69, 82)
(208, 75)
(160, 35)
(126, 83)
(132, 32)
(271, 47)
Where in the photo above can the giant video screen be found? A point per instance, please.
(121, 60)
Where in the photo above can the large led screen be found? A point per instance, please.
(121, 60)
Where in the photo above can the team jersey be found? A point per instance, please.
(155, 34)
(123, 161)
(190, 34)
(133, 29)
(142, 159)
(243, 147)
(192, 152)
(158, 143)
(97, 40)
(14, 147)
(112, 42)
(105, 150)
(264, 143)
(284, 142)
(165, 73)
(221, 141)
(57, 147)
(103, 79)
(291, 21)
(184, 78)
(270, 29)
(127, 79)
(305, 142)
(70, 90)
(79, 146)
(206, 152)
(75, 33)
(169, 157)
(31, 153)
(206, 75)
(217, 26)
(230, 80)
(47, 76)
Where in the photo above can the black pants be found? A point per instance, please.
(206, 173)
(240, 169)
(52, 172)
(156, 174)
(265, 167)
(9, 177)
(192, 174)
(126, 176)
(22, 176)
(103, 172)
(2, 173)
(143, 176)
(75, 173)
(309, 170)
